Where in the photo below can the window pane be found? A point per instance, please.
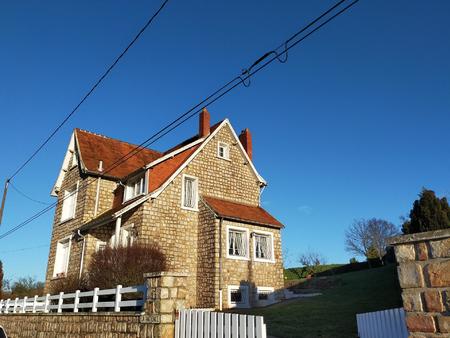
(236, 296)
(263, 247)
(190, 192)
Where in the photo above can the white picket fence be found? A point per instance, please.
(382, 324)
(88, 300)
(209, 324)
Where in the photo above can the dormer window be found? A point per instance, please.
(134, 187)
(223, 150)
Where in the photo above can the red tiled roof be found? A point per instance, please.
(162, 171)
(94, 148)
(242, 212)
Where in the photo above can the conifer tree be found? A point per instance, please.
(429, 212)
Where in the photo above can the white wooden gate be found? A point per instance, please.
(382, 324)
(209, 324)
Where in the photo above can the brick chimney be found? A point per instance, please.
(203, 126)
(246, 140)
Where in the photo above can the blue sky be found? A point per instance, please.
(352, 126)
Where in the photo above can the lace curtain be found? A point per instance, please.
(263, 247)
(237, 243)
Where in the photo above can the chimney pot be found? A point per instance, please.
(246, 140)
(204, 123)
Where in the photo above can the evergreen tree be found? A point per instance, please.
(428, 213)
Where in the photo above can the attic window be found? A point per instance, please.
(73, 160)
(134, 187)
(223, 150)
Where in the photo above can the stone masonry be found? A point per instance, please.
(166, 295)
(189, 239)
(424, 275)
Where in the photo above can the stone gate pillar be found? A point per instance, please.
(424, 276)
(166, 294)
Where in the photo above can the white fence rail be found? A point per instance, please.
(91, 301)
(209, 324)
(382, 324)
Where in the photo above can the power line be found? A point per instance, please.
(216, 95)
(26, 196)
(97, 83)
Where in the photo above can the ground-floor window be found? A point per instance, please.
(238, 296)
(264, 295)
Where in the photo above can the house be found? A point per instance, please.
(198, 201)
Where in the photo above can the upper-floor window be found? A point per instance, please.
(237, 243)
(62, 258)
(126, 237)
(189, 193)
(134, 187)
(223, 150)
(69, 203)
(263, 246)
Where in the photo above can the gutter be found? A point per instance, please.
(82, 253)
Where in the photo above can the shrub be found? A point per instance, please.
(26, 286)
(123, 265)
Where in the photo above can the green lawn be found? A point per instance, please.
(333, 314)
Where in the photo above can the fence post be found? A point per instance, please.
(95, 300)
(15, 305)
(7, 305)
(1, 306)
(24, 304)
(76, 301)
(46, 303)
(118, 299)
(60, 302)
(35, 303)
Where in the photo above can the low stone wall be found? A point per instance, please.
(424, 275)
(76, 325)
(166, 294)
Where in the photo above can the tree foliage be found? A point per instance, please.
(24, 286)
(368, 238)
(310, 260)
(429, 212)
(124, 265)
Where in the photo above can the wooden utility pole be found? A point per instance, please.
(5, 191)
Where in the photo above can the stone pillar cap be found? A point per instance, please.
(420, 236)
(165, 273)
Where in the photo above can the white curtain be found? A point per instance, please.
(189, 193)
(263, 247)
(237, 243)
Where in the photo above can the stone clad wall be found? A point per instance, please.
(424, 275)
(74, 325)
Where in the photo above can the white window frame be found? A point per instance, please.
(130, 229)
(184, 177)
(247, 234)
(130, 185)
(245, 296)
(226, 150)
(75, 194)
(270, 298)
(263, 233)
(61, 274)
(98, 244)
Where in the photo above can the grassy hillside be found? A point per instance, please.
(297, 273)
(334, 313)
